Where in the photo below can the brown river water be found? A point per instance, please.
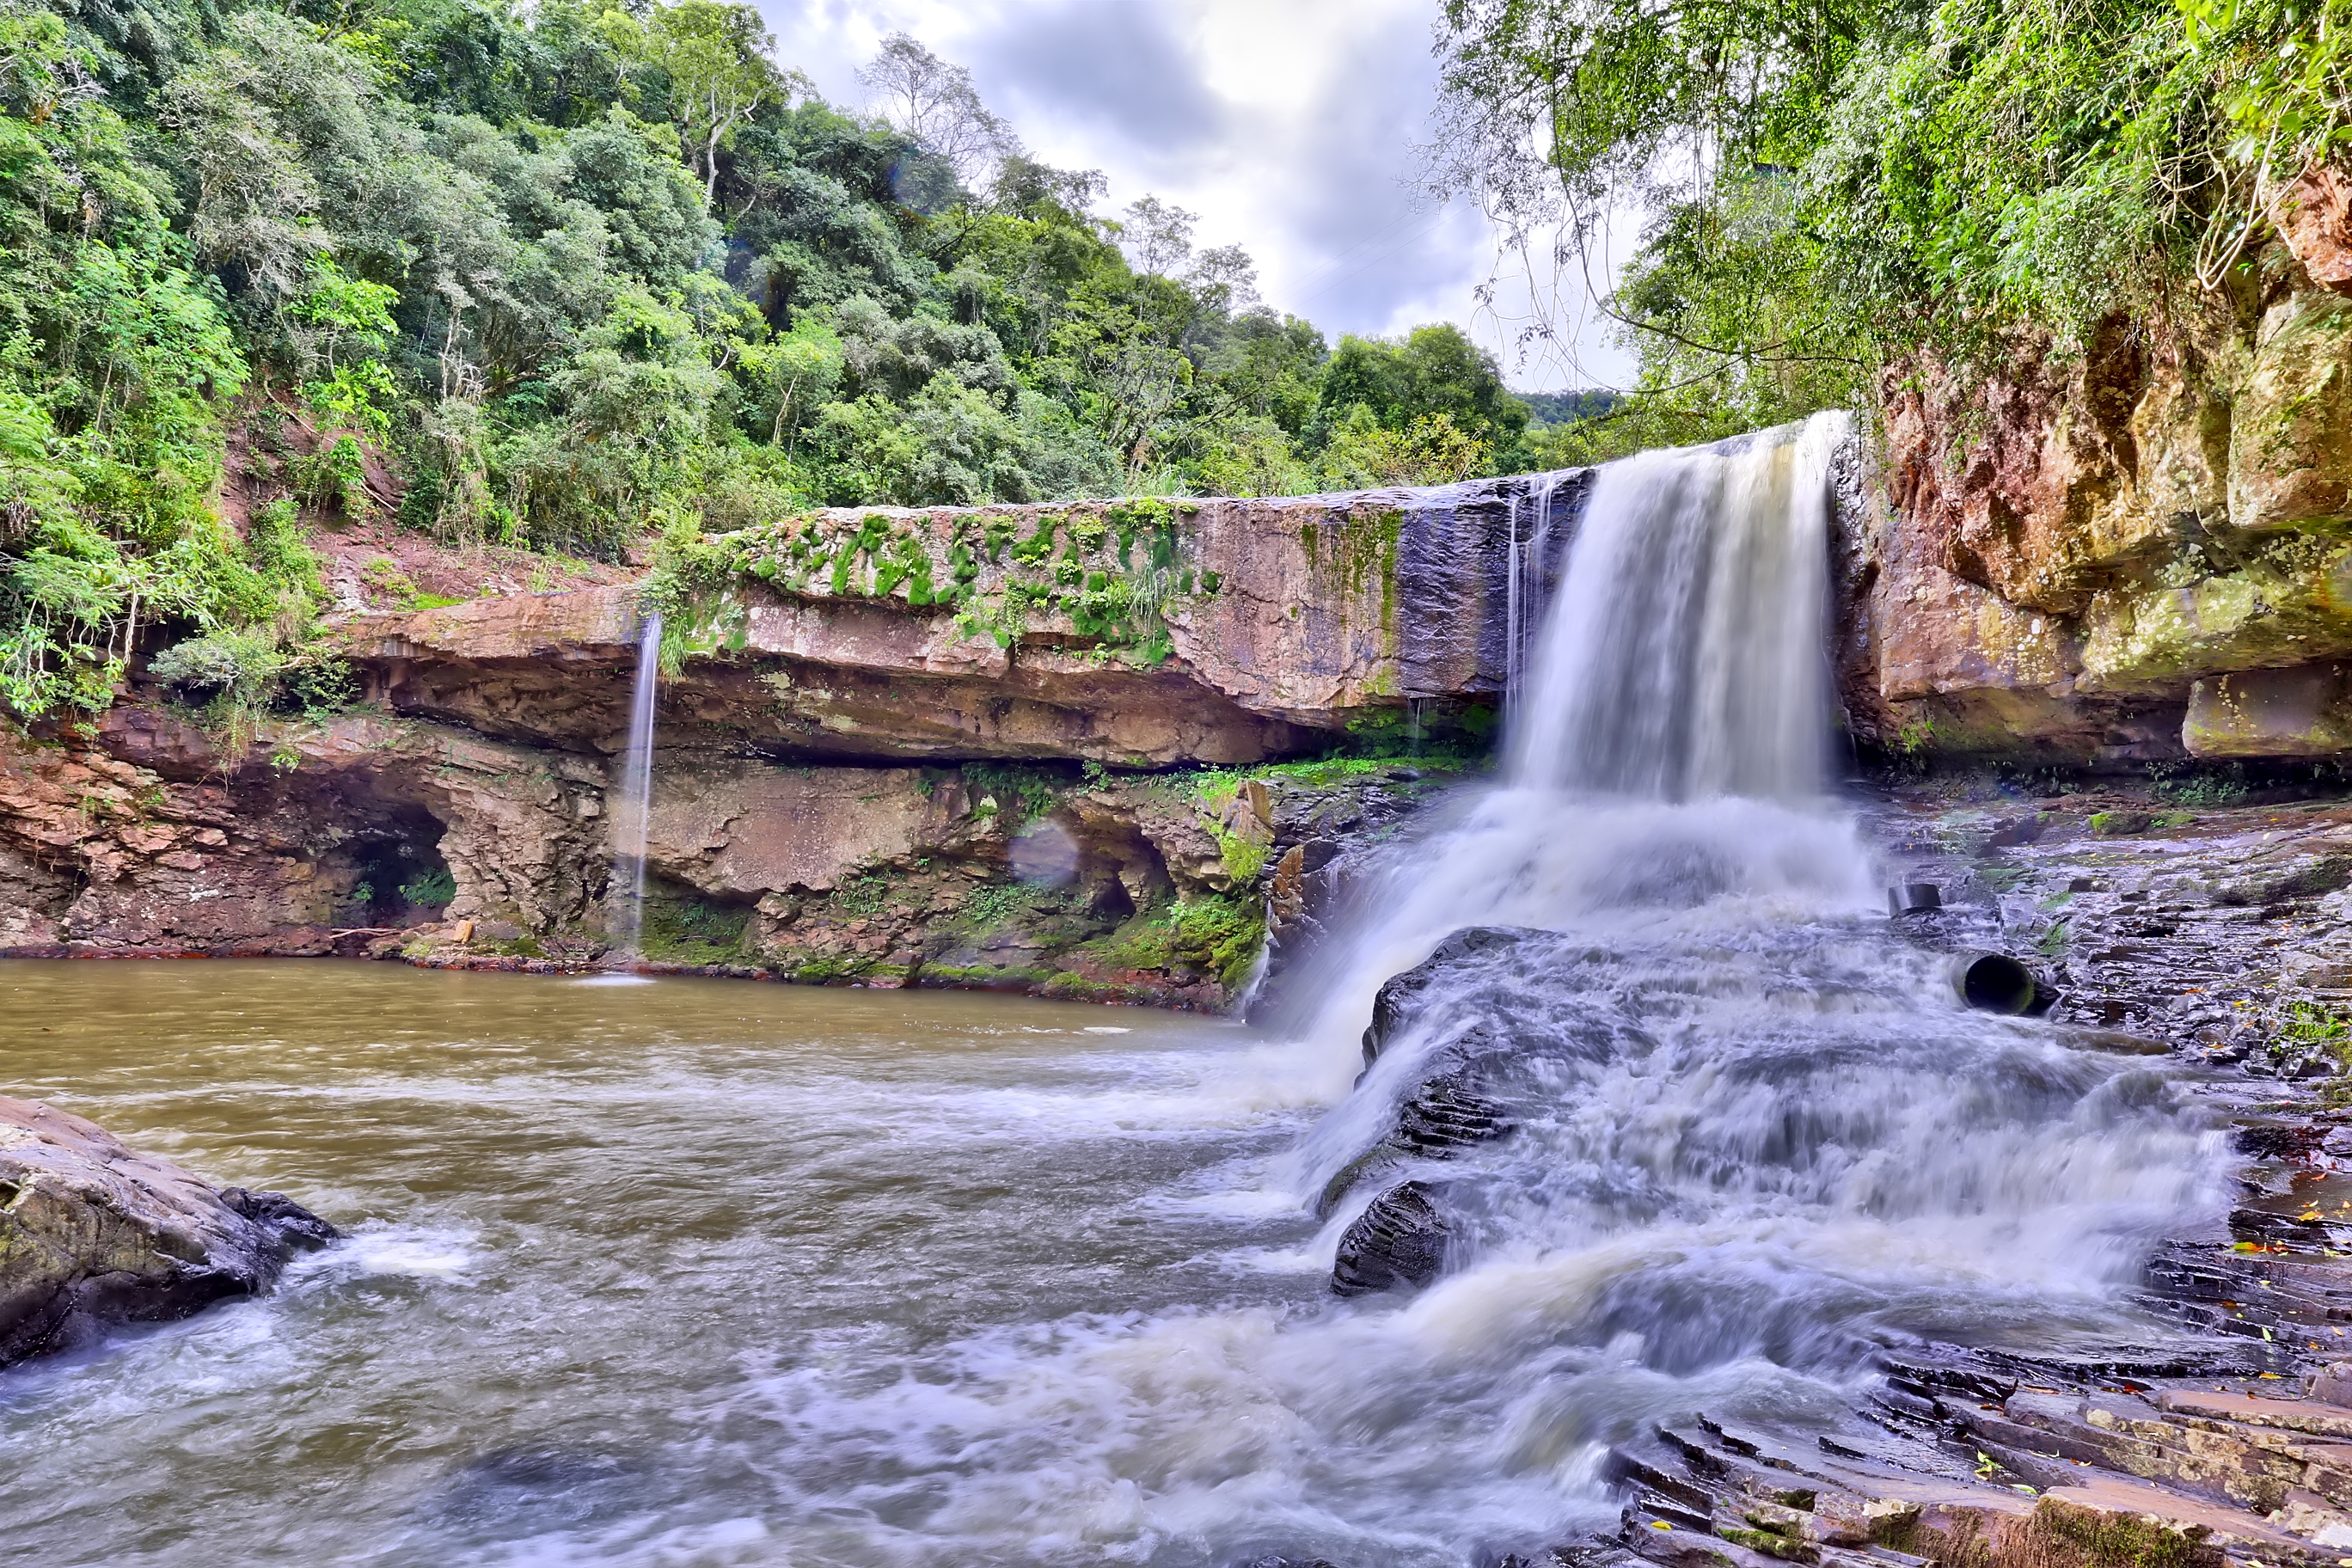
(689, 1271)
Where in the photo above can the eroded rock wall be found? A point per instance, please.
(1211, 632)
(151, 835)
(2131, 554)
(395, 837)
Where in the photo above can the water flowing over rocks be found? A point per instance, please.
(1730, 1109)
(93, 1235)
(821, 719)
(1663, 1122)
(2221, 1433)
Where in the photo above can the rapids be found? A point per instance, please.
(699, 1272)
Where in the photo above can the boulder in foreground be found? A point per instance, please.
(93, 1234)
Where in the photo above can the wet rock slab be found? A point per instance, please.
(93, 1234)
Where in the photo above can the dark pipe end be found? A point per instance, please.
(1912, 897)
(1994, 982)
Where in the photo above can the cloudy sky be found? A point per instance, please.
(1290, 126)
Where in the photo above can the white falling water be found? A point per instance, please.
(1666, 745)
(1751, 1137)
(631, 822)
(1531, 545)
(1685, 658)
(1748, 1119)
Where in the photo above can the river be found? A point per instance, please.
(692, 1272)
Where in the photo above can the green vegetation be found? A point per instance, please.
(431, 890)
(1022, 791)
(563, 278)
(693, 932)
(1841, 193)
(2206, 784)
(1216, 934)
(2060, 1531)
(2314, 1026)
(994, 904)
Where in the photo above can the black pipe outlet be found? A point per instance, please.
(1994, 982)
(1914, 897)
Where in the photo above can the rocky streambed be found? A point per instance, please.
(2191, 951)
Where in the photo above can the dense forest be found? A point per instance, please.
(568, 279)
(1836, 192)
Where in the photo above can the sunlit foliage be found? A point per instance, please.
(1833, 187)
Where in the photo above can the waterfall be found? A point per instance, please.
(1685, 658)
(1668, 735)
(1530, 548)
(1739, 1116)
(629, 827)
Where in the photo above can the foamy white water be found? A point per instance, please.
(708, 1273)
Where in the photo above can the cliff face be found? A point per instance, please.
(2130, 557)
(1215, 631)
(856, 778)
(884, 738)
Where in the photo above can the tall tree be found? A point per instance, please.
(716, 59)
(934, 103)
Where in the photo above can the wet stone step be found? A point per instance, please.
(2132, 1437)
(1398, 1241)
(1444, 1114)
(2286, 1414)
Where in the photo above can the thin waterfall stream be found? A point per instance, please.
(703, 1273)
(634, 818)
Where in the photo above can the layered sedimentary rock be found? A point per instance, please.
(869, 717)
(93, 1234)
(2128, 555)
(1141, 635)
(401, 837)
(153, 835)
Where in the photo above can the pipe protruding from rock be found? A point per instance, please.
(1914, 897)
(1994, 982)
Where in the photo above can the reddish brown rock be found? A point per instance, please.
(2314, 216)
(2055, 556)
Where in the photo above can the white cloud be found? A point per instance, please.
(1290, 126)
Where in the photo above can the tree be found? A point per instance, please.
(1435, 370)
(715, 56)
(934, 105)
(1158, 237)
